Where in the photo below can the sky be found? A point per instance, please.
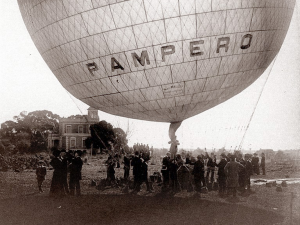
(266, 115)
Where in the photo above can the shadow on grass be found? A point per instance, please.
(129, 209)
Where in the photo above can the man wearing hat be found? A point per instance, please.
(221, 175)
(126, 162)
(248, 169)
(232, 174)
(75, 173)
(64, 160)
(136, 163)
(40, 174)
(165, 170)
(198, 173)
(242, 173)
(211, 164)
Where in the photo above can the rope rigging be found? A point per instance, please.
(250, 119)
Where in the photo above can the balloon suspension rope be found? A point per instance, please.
(243, 138)
(256, 104)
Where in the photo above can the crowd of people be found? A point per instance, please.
(63, 163)
(230, 173)
(139, 164)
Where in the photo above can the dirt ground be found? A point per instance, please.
(20, 202)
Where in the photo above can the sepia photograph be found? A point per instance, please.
(150, 112)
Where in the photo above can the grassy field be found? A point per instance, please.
(20, 202)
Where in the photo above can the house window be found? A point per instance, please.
(68, 129)
(93, 115)
(83, 142)
(72, 142)
(80, 129)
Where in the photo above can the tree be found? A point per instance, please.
(107, 138)
(143, 149)
(121, 142)
(102, 135)
(29, 132)
(9, 129)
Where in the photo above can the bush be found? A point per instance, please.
(23, 147)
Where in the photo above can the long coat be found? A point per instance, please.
(221, 172)
(57, 179)
(232, 169)
(144, 171)
(248, 169)
(75, 169)
(136, 163)
(198, 170)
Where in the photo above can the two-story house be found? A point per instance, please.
(73, 131)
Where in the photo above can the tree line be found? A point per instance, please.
(28, 133)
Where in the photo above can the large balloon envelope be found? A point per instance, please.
(157, 60)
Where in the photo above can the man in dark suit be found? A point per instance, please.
(65, 163)
(136, 163)
(211, 165)
(165, 170)
(173, 167)
(75, 174)
(144, 175)
(126, 162)
(232, 169)
(242, 173)
(198, 173)
(221, 175)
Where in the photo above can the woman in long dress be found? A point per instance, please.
(56, 188)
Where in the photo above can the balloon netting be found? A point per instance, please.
(172, 84)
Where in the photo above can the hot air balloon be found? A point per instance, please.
(157, 60)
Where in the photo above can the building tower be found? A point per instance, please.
(93, 115)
